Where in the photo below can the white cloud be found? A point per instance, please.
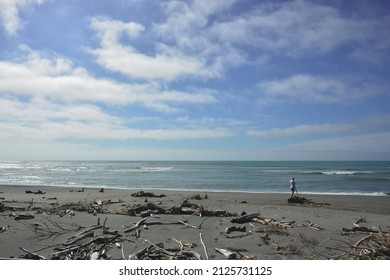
(376, 143)
(189, 27)
(317, 89)
(115, 56)
(9, 13)
(368, 124)
(199, 39)
(297, 28)
(45, 98)
(303, 129)
(40, 120)
(56, 78)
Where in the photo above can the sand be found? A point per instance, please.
(44, 225)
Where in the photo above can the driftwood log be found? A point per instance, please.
(245, 218)
(146, 194)
(36, 192)
(302, 200)
(235, 228)
(228, 254)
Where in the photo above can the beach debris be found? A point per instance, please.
(307, 240)
(286, 249)
(95, 256)
(98, 242)
(245, 218)
(199, 197)
(204, 246)
(81, 235)
(360, 220)
(183, 243)
(311, 225)
(196, 196)
(239, 252)
(261, 224)
(24, 217)
(228, 254)
(137, 225)
(186, 208)
(35, 192)
(302, 200)
(374, 246)
(360, 229)
(265, 237)
(31, 255)
(95, 246)
(146, 194)
(158, 252)
(191, 226)
(143, 223)
(96, 206)
(239, 235)
(235, 228)
(298, 199)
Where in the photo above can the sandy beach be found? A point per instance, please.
(64, 223)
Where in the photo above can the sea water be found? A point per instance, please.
(322, 177)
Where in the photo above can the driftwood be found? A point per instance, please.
(183, 243)
(86, 250)
(235, 228)
(24, 217)
(137, 225)
(192, 226)
(157, 251)
(298, 199)
(374, 246)
(186, 208)
(95, 256)
(146, 194)
(360, 229)
(302, 200)
(37, 192)
(32, 255)
(239, 235)
(280, 226)
(245, 218)
(81, 236)
(148, 206)
(228, 254)
(204, 246)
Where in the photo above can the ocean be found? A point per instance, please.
(312, 177)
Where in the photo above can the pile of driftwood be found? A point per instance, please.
(95, 242)
(146, 194)
(89, 244)
(303, 200)
(158, 252)
(375, 245)
(268, 226)
(94, 207)
(185, 208)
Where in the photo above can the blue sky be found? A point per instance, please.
(194, 80)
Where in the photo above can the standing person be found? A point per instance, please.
(292, 186)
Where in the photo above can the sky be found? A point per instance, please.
(194, 80)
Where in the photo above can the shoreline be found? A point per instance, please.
(195, 190)
(325, 219)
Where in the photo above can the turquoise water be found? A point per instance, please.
(326, 177)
